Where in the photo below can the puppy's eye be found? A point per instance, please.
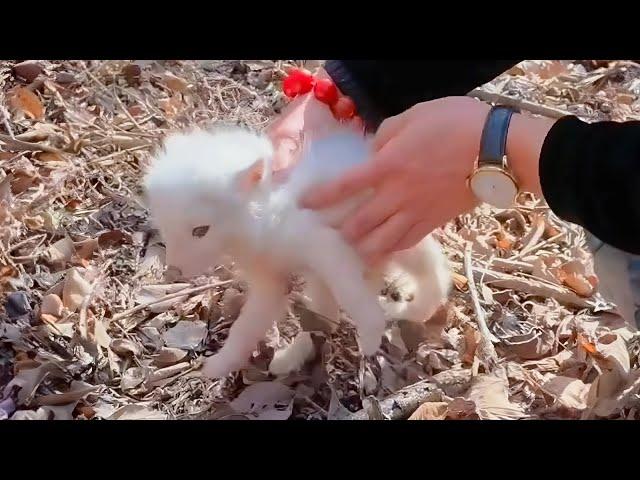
(200, 231)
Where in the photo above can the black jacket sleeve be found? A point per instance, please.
(590, 173)
(384, 88)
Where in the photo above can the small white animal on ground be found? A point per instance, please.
(212, 198)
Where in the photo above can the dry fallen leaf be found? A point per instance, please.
(490, 394)
(154, 259)
(77, 391)
(50, 157)
(86, 248)
(579, 275)
(135, 110)
(132, 73)
(261, 396)
(23, 181)
(471, 338)
(293, 357)
(8, 275)
(61, 251)
(175, 83)
(125, 347)
(151, 337)
(49, 319)
(74, 290)
(547, 268)
(100, 334)
(171, 106)
(523, 338)
(133, 377)
(390, 380)
(568, 392)
(394, 335)
(273, 413)
(112, 239)
(136, 412)
(579, 284)
(461, 409)
(168, 356)
(73, 205)
(50, 221)
(24, 100)
(34, 223)
(28, 380)
(40, 414)
(7, 407)
(586, 345)
(614, 351)
(336, 410)
(51, 305)
(5, 189)
(545, 69)
(186, 334)
(17, 304)
(460, 281)
(430, 411)
(86, 411)
(151, 293)
(28, 70)
(603, 396)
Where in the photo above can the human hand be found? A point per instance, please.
(304, 117)
(418, 173)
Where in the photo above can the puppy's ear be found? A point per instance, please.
(249, 178)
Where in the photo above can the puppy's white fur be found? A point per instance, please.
(222, 180)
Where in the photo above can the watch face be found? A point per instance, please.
(494, 187)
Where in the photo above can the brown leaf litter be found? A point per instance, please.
(94, 328)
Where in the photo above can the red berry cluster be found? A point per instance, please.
(299, 82)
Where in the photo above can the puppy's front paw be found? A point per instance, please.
(218, 366)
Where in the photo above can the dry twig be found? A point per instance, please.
(486, 351)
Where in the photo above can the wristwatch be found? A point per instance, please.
(491, 180)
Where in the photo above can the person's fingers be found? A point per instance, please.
(282, 175)
(387, 130)
(357, 124)
(415, 234)
(357, 179)
(375, 261)
(382, 239)
(285, 152)
(372, 213)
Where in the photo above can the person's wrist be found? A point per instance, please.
(524, 144)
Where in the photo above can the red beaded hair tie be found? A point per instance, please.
(299, 82)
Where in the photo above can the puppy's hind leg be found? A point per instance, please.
(421, 272)
(339, 266)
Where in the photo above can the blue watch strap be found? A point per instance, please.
(493, 143)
